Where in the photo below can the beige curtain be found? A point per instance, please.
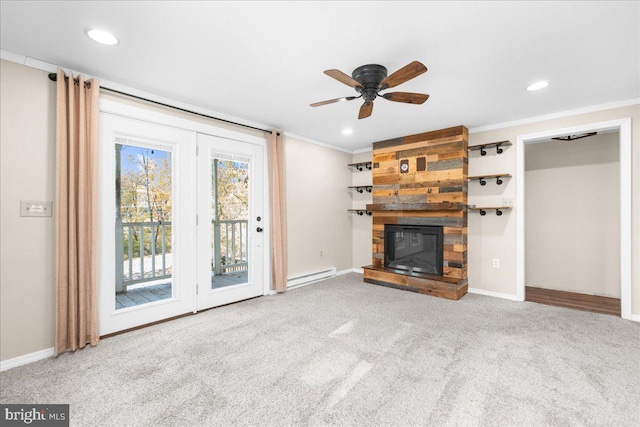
(76, 213)
(278, 244)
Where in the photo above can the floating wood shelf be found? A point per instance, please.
(483, 147)
(416, 207)
(483, 209)
(483, 178)
(361, 211)
(361, 166)
(362, 188)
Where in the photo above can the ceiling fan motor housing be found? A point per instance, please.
(369, 76)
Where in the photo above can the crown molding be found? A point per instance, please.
(52, 68)
(558, 115)
(316, 142)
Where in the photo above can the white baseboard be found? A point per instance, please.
(635, 318)
(26, 359)
(492, 294)
(350, 270)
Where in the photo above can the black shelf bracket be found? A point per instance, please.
(361, 212)
(362, 188)
(483, 179)
(483, 212)
(360, 166)
(483, 152)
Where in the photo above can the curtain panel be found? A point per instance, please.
(278, 243)
(76, 213)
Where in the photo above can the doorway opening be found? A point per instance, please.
(573, 222)
(623, 128)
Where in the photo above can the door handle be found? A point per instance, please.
(259, 229)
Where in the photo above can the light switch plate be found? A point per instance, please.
(31, 208)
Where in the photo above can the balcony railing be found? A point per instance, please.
(230, 249)
(143, 249)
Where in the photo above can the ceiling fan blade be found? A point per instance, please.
(343, 78)
(406, 97)
(365, 110)
(331, 101)
(403, 74)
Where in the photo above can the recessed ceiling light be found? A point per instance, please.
(538, 85)
(347, 131)
(102, 36)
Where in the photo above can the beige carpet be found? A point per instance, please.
(342, 352)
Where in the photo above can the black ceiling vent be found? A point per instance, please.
(576, 136)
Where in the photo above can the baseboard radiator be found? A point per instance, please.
(306, 279)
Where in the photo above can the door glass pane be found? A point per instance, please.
(230, 219)
(143, 224)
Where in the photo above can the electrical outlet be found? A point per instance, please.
(321, 254)
(507, 203)
(496, 263)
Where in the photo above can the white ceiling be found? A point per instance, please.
(263, 61)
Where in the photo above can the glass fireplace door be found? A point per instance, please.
(414, 248)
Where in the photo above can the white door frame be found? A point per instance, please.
(128, 110)
(623, 126)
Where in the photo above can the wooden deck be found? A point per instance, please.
(147, 294)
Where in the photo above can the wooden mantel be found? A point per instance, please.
(416, 207)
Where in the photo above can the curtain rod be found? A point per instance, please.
(54, 77)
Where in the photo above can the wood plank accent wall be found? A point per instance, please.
(431, 191)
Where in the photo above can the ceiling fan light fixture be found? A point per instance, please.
(537, 85)
(368, 80)
(102, 36)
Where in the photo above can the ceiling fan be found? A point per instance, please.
(369, 80)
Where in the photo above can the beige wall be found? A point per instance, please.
(317, 203)
(27, 160)
(495, 237)
(318, 224)
(361, 225)
(572, 213)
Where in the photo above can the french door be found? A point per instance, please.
(179, 227)
(230, 235)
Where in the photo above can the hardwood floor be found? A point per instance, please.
(593, 303)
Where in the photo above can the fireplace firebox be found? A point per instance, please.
(412, 248)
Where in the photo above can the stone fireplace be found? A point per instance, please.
(420, 213)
